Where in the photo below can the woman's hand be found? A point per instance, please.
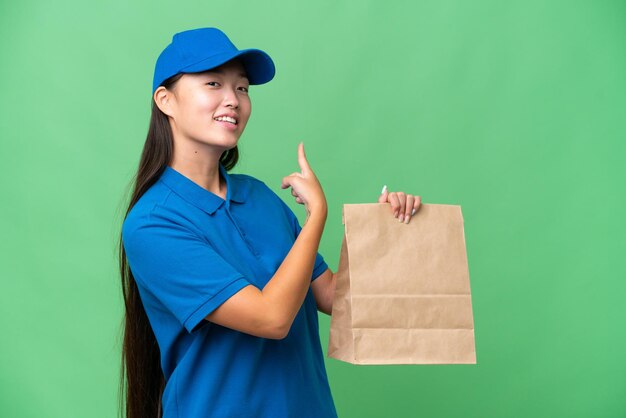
(305, 187)
(403, 205)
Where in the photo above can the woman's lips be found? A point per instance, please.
(227, 125)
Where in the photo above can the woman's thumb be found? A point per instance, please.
(383, 195)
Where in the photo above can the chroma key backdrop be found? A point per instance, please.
(514, 110)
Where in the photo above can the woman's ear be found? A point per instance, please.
(163, 99)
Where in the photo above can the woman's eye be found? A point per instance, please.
(212, 83)
(244, 89)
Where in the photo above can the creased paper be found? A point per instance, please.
(402, 294)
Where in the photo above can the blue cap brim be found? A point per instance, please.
(258, 65)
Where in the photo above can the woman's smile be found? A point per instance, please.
(227, 122)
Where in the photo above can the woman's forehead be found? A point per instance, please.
(230, 66)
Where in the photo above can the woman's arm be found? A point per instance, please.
(270, 312)
(324, 291)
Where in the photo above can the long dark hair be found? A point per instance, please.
(141, 377)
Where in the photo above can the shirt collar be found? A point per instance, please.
(236, 189)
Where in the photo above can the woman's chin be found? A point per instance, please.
(226, 142)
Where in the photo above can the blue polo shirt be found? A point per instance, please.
(189, 251)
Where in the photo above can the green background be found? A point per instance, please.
(514, 110)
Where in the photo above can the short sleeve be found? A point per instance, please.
(320, 264)
(179, 269)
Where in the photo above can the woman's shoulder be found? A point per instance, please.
(249, 179)
(252, 185)
(142, 212)
(161, 207)
(260, 191)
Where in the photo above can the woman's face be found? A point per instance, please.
(211, 107)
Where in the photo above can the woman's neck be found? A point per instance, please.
(206, 174)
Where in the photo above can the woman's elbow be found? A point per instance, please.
(328, 310)
(279, 334)
(277, 327)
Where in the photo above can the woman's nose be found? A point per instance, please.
(230, 98)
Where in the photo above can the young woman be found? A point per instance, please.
(221, 283)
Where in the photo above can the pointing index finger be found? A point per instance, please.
(302, 161)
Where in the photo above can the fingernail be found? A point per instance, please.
(383, 190)
(406, 221)
(395, 214)
(413, 212)
(401, 218)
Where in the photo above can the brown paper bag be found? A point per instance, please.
(402, 294)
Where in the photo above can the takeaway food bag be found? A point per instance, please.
(402, 294)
